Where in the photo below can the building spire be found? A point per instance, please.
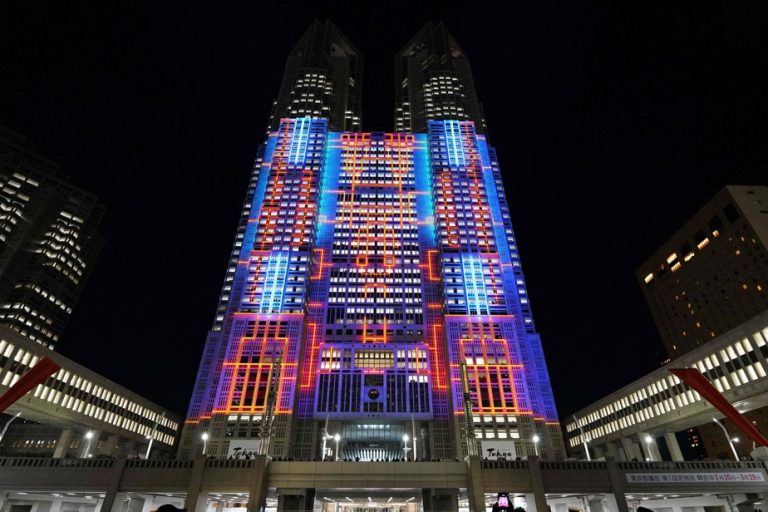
(433, 81)
(323, 78)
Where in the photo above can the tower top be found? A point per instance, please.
(323, 78)
(433, 81)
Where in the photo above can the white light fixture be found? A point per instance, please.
(88, 437)
(337, 438)
(536, 440)
(204, 436)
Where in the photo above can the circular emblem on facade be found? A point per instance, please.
(373, 394)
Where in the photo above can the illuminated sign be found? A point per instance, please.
(499, 450)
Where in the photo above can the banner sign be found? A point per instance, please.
(695, 478)
(243, 449)
(498, 450)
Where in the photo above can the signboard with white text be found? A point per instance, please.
(243, 448)
(498, 450)
(696, 478)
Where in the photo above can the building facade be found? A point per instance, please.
(55, 418)
(652, 417)
(706, 288)
(48, 241)
(375, 306)
(712, 275)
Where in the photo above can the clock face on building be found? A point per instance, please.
(373, 394)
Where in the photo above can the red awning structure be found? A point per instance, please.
(695, 380)
(44, 368)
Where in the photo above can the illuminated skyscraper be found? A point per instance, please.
(375, 292)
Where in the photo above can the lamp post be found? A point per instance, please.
(88, 437)
(536, 440)
(8, 424)
(648, 440)
(151, 436)
(728, 437)
(406, 448)
(337, 438)
(204, 437)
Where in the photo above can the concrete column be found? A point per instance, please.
(612, 504)
(674, 447)
(110, 497)
(443, 500)
(129, 450)
(201, 505)
(537, 502)
(596, 504)
(257, 491)
(135, 503)
(629, 449)
(426, 500)
(3, 497)
(110, 446)
(193, 490)
(149, 503)
(309, 500)
(611, 450)
(599, 452)
(55, 505)
(290, 500)
(62, 445)
(617, 499)
(475, 488)
(561, 507)
(119, 503)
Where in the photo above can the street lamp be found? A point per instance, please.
(204, 437)
(337, 438)
(728, 437)
(648, 440)
(406, 448)
(8, 424)
(151, 437)
(536, 440)
(88, 437)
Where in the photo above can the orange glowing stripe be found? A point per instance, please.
(430, 267)
(439, 377)
(306, 382)
(320, 265)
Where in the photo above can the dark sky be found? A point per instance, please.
(613, 124)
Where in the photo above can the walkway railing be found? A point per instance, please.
(55, 463)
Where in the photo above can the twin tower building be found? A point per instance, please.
(374, 306)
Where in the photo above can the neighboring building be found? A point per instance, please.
(710, 277)
(661, 406)
(433, 81)
(712, 274)
(374, 275)
(48, 242)
(56, 416)
(706, 287)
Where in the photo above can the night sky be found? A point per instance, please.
(613, 125)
